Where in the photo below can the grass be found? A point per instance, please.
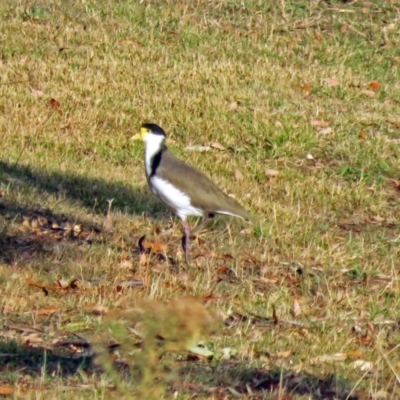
(308, 296)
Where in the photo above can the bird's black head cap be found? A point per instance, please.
(153, 128)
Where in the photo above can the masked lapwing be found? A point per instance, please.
(183, 189)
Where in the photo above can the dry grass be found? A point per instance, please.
(308, 89)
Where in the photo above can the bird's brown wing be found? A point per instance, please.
(203, 193)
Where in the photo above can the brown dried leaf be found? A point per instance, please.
(332, 82)
(129, 43)
(369, 93)
(326, 131)
(374, 85)
(238, 175)
(6, 390)
(62, 283)
(157, 248)
(284, 354)
(55, 105)
(46, 311)
(362, 135)
(306, 88)
(37, 93)
(296, 308)
(233, 106)
(271, 172)
(223, 270)
(319, 123)
(218, 146)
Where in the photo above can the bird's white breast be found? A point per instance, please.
(173, 198)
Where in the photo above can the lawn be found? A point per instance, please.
(292, 107)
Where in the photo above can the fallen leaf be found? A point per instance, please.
(238, 175)
(223, 270)
(369, 93)
(218, 146)
(37, 93)
(332, 82)
(284, 354)
(55, 105)
(319, 123)
(62, 283)
(226, 27)
(374, 85)
(296, 308)
(233, 106)
(271, 172)
(198, 148)
(344, 28)
(130, 43)
(6, 390)
(306, 88)
(366, 339)
(46, 311)
(142, 259)
(363, 365)
(326, 131)
(157, 248)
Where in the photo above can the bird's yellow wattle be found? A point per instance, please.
(141, 135)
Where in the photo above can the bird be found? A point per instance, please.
(182, 188)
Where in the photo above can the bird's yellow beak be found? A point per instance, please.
(141, 135)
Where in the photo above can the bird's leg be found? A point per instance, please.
(208, 218)
(185, 240)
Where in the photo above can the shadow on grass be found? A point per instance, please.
(87, 192)
(29, 232)
(19, 360)
(257, 383)
(193, 377)
(27, 229)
